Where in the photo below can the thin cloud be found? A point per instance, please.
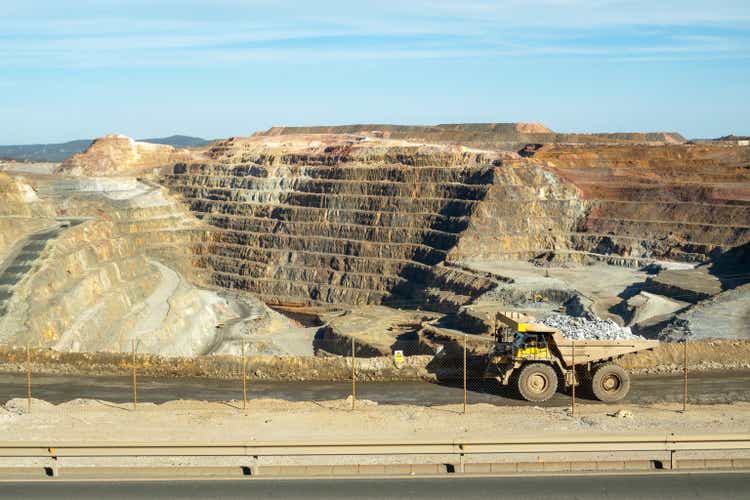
(386, 30)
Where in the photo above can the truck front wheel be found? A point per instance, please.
(537, 382)
(610, 383)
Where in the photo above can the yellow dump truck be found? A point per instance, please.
(539, 360)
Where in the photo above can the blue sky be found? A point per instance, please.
(80, 69)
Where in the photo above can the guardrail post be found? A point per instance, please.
(354, 373)
(28, 378)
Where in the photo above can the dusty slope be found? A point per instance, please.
(116, 154)
(123, 272)
(21, 213)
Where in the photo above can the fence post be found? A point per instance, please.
(28, 379)
(465, 397)
(354, 374)
(573, 385)
(244, 378)
(135, 379)
(685, 376)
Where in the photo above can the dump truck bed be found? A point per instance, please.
(586, 351)
(591, 351)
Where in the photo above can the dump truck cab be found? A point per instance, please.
(529, 343)
(539, 359)
(531, 346)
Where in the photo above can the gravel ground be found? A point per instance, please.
(272, 420)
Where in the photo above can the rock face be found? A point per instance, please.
(18, 198)
(118, 268)
(21, 213)
(24, 220)
(364, 219)
(527, 210)
(116, 154)
(679, 202)
(338, 219)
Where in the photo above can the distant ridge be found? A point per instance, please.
(178, 141)
(57, 153)
(53, 153)
(482, 135)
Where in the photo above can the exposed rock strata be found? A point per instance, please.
(338, 219)
(527, 210)
(125, 274)
(116, 154)
(21, 214)
(678, 202)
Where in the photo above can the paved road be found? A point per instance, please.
(715, 387)
(668, 486)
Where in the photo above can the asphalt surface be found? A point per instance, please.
(663, 486)
(704, 388)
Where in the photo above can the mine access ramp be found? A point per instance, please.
(539, 359)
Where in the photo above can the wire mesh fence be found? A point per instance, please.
(456, 372)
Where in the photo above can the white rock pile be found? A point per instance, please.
(588, 329)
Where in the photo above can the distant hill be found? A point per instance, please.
(179, 141)
(54, 153)
(57, 153)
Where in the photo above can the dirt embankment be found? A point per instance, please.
(702, 356)
(116, 154)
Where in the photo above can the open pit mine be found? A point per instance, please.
(294, 241)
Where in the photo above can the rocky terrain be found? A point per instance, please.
(117, 154)
(338, 219)
(97, 264)
(400, 237)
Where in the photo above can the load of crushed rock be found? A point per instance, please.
(578, 328)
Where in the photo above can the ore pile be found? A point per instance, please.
(588, 329)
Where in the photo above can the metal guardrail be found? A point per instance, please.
(640, 454)
(648, 442)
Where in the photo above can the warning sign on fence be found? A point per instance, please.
(398, 358)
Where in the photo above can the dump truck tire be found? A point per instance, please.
(537, 382)
(610, 383)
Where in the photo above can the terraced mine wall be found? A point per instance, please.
(677, 202)
(97, 279)
(324, 229)
(527, 210)
(21, 214)
(504, 136)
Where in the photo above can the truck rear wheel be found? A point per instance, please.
(537, 382)
(610, 383)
